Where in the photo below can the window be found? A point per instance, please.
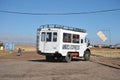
(43, 36)
(54, 37)
(49, 36)
(66, 37)
(75, 38)
(81, 41)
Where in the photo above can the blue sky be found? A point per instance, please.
(22, 28)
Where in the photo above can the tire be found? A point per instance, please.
(68, 58)
(87, 55)
(58, 57)
(49, 58)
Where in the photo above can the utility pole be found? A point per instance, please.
(109, 36)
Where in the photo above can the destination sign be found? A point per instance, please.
(71, 47)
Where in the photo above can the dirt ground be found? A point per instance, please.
(31, 66)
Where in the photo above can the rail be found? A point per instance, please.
(61, 27)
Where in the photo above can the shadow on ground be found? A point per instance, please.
(55, 61)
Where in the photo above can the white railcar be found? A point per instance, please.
(58, 42)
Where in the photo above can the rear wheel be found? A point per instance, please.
(68, 58)
(87, 55)
(49, 58)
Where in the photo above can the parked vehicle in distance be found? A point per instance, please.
(116, 46)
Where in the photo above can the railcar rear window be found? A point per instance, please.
(54, 36)
(49, 36)
(43, 36)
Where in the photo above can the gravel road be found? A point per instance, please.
(31, 66)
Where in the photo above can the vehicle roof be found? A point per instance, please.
(61, 27)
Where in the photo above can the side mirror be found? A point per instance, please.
(88, 43)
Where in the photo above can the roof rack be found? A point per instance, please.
(62, 27)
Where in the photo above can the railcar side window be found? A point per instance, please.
(54, 37)
(49, 36)
(43, 36)
(75, 38)
(67, 37)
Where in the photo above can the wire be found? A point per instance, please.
(70, 13)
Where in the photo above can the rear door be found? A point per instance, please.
(49, 41)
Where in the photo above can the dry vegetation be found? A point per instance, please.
(106, 52)
(26, 47)
(23, 47)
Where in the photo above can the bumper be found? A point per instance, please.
(48, 54)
